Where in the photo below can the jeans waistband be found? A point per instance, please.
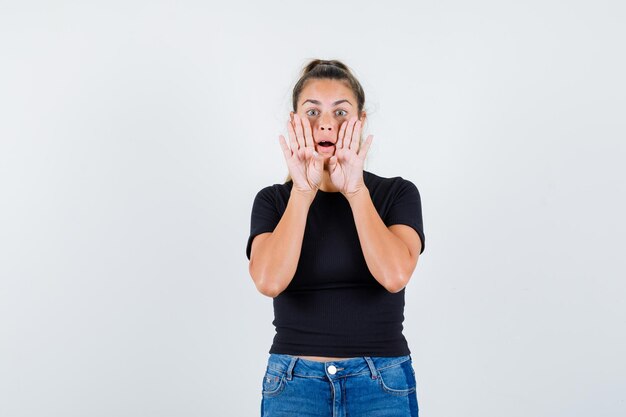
(293, 365)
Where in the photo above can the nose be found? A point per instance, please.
(326, 124)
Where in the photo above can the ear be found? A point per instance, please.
(363, 117)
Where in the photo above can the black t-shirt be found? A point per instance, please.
(334, 306)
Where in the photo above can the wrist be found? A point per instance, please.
(306, 196)
(356, 194)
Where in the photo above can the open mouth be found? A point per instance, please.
(326, 147)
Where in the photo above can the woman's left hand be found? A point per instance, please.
(346, 165)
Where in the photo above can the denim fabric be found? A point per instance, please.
(362, 386)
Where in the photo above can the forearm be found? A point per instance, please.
(277, 258)
(385, 254)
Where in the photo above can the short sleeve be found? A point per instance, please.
(264, 216)
(406, 208)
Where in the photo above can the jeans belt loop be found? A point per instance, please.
(294, 359)
(370, 363)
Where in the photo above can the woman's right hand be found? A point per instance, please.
(305, 165)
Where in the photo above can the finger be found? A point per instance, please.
(299, 132)
(349, 131)
(308, 134)
(309, 154)
(355, 135)
(365, 147)
(292, 137)
(342, 132)
(285, 148)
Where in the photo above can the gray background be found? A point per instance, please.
(135, 135)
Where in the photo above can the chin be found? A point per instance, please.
(326, 155)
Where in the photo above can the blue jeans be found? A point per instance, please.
(363, 386)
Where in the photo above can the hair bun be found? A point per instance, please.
(329, 62)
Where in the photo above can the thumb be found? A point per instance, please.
(332, 163)
(317, 160)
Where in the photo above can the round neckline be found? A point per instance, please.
(328, 192)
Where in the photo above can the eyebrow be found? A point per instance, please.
(318, 102)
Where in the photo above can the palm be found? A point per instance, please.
(305, 173)
(305, 166)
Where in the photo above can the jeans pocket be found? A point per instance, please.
(398, 379)
(273, 382)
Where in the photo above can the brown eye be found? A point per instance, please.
(345, 113)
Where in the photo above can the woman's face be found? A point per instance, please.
(327, 104)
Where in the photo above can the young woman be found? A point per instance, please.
(335, 246)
